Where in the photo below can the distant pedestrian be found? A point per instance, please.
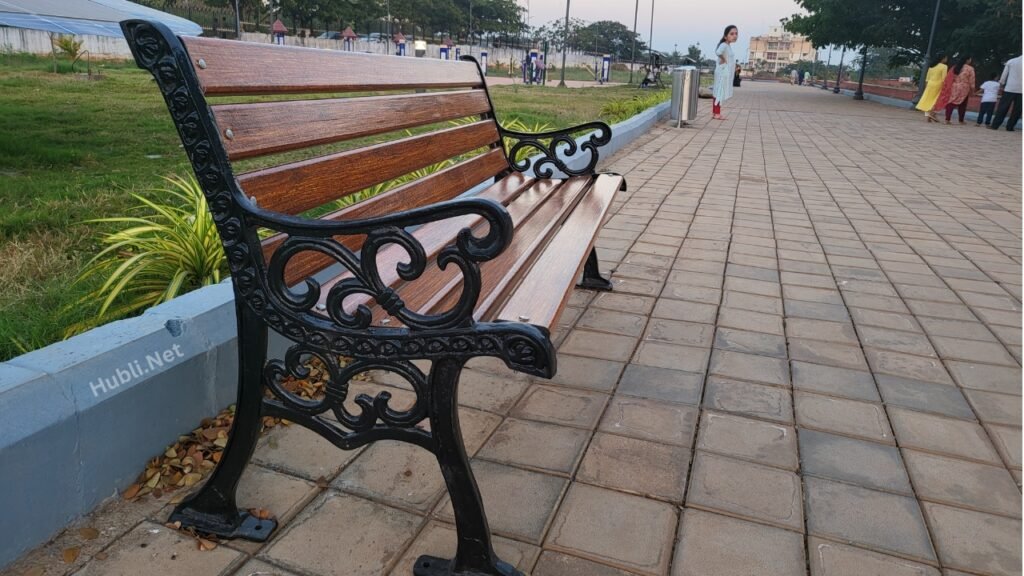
(934, 81)
(724, 71)
(1010, 81)
(800, 77)
(963, 86)
(989, 95)
(794, 77)
(736, 78)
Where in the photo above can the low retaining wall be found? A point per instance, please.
(38, 42)
(82, 417)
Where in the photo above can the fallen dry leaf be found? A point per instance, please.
(131, 491)
(206, 545)
(69, 555)
(89, 533)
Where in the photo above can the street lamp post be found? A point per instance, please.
(839, 72)
(927, 53)
(565, 46)
(650, 39)
(632, 56)
(824, 86)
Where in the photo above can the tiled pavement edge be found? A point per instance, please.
(810, 364)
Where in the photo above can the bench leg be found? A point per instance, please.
(592, 279)
(213, 510)
(475, 556)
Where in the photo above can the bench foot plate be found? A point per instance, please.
(248, 527)
(434, 566)
(596, 283)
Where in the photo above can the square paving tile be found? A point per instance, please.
(973, 351)
(750, 342)
(662, 355)
(677, 332)
(614, 528)
(650, 420)
(519, 503)
(589, 373)
(755, 440)
(557, 564)
(907, 366)
(962, 483)
(155, 549)
(861, 419)
(260, 568)
(396, 473)
(301, 452)
(835, 381)
(683, 310)
(880, 521)
(858, 462)
(536, 445)
(612, 321)
(661, 384)
(712, 544)
(896, 340)
(344, 535)
(975, 541)
(645, 468)
(821, 330)
(558, 405)
(491, 392)
(439, 539)
(748, 399)
(994, 408)
(834, 559)
(924, 396)
(943, 435)
(1003, 379)
(1008, 442)
(624, 302)
(745, 489)
(749, 367)
(599, 345)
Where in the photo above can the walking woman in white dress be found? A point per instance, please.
(724, 71)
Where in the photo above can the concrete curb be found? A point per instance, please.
(81, 417)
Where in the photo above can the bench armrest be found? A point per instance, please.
(556, 149)
(363, 273)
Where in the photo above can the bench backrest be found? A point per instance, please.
(277, 102)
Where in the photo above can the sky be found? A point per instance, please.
(676, 22)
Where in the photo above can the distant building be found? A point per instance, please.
(778, 48)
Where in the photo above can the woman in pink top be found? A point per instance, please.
(961, 90)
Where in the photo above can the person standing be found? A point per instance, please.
(933, 85)
(1010, 81)
(800, 78)
(989, 94)
(736, 78)
(793, 76)
(722, 89)
(963, 86)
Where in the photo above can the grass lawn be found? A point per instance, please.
(73, 150)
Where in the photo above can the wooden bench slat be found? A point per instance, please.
(269, 127)
(561, 262)
(299, 186)
(502, 273)
(253, 68)
(437, 187)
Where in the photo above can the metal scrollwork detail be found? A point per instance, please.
(556, 148)
(375, 415)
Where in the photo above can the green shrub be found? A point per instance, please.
(168, 249)
(625, 108)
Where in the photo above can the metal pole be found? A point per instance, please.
(927, 53)
(388, 42)
(565, 46)
(824, 86)
(632, 56)
(839, 73)
(469, 39)
(650, 47)
(238, 22)
(859, 94)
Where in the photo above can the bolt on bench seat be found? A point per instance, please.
(421, 271)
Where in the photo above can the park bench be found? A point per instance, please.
(421, 272)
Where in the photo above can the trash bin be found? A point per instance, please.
(685, 91)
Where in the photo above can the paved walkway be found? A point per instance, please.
(811, 363)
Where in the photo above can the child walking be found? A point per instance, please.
(989, 95)
(724, 71)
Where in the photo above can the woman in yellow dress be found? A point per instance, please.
(934, 80)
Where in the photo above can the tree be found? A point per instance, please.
(693, 53)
